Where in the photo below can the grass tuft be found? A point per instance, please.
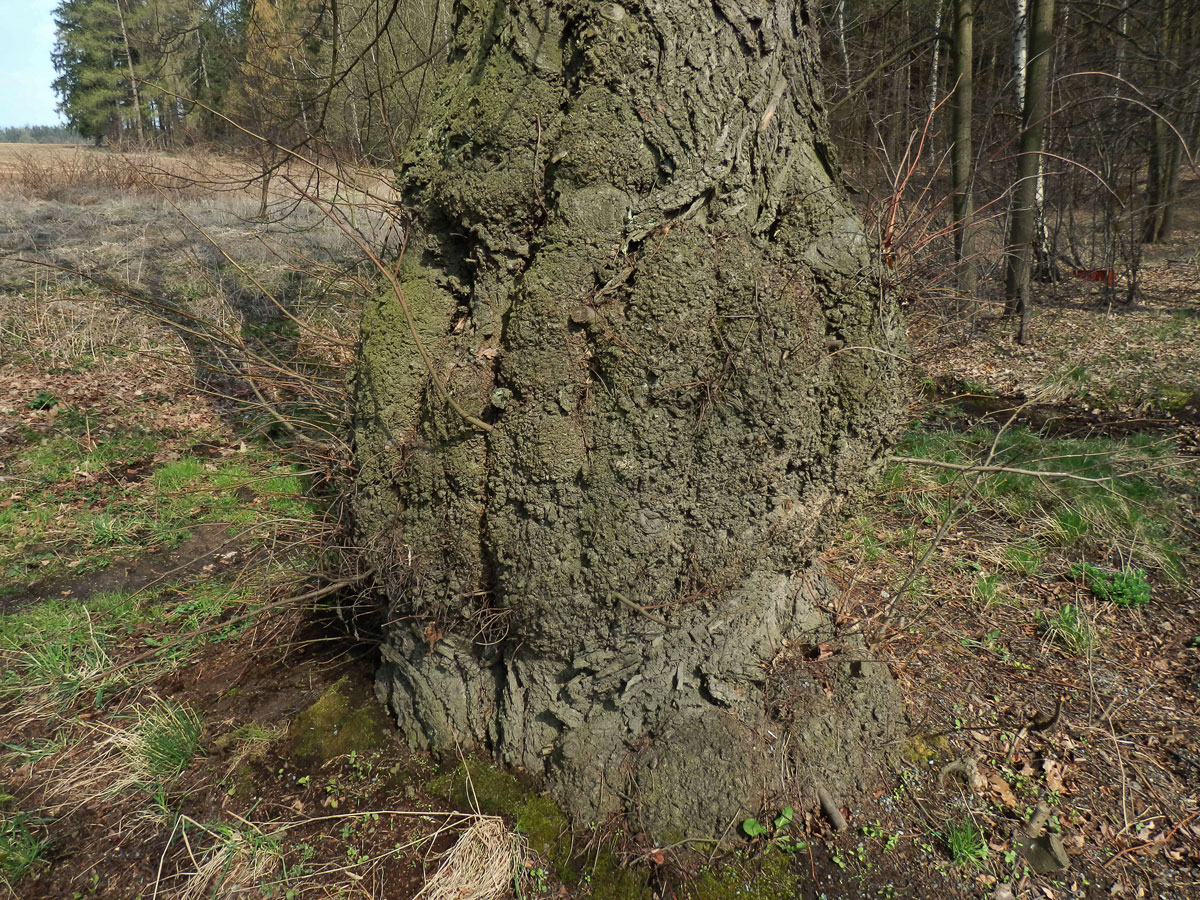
(1070, 629)
(20, 847)
(165, 741)
(965, 843)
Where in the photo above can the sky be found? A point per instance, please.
(26, 39)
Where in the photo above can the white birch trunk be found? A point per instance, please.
(937, 50)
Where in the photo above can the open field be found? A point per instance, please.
(186, 644)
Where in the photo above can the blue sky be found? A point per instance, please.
(26, 39)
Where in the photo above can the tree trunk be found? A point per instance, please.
(963, 153)
(632, 268)
(1162, 177)
(1023, 219)
(931, 105)
(1021, 51)
(135, 93)
(840, 18)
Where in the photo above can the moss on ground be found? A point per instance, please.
(923, 748)
(771, 877)
(476, 785)
(339, 722)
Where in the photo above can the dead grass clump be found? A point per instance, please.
(485, 863)
(238, 865)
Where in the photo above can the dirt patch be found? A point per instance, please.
(209, 549)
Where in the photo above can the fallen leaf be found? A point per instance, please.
(1053, 770)
(1000, 788)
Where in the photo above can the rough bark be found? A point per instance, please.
(632, 262)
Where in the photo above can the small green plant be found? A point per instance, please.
(43, 400)
(1126, 587)
(986, 588)
(1024, 558)
(965, 842)
(775, 832)
(1069, 629)
(539, 878)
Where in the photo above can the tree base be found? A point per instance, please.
(686, 729)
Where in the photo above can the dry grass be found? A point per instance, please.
(238, 865)
(485, 863)
(75, 173)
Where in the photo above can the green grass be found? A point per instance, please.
(63, 650)
(109, 530)
(60, 648)
(204, 602)
(965, 843)
(75, 504)
(175, 476)
(1134, 503)
(64, 456)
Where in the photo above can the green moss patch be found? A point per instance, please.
(771, 877)
(340, 721)
(922, 748)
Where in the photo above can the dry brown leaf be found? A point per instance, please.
(1000, 788)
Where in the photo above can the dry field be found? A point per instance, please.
(185, 643)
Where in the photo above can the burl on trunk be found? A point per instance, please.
(633, 269)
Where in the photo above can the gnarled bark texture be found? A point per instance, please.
(631, 257)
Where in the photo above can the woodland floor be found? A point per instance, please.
(181, 715)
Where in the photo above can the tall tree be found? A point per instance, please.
(93, 60)
(279, 82)
(1168, 122)
(962, 154)
(634, 362)
(1026, 193)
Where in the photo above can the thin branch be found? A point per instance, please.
(989, 469)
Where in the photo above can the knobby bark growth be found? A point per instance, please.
(632, 262)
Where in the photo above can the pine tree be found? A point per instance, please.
(93, 64)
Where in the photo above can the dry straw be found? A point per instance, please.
(485, 863)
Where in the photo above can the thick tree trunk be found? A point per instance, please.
(633, 270)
